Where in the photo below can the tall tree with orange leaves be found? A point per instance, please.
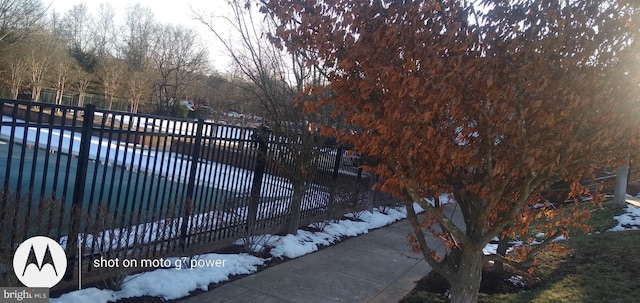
(488, 100)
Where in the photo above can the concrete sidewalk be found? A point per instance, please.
(375, 267)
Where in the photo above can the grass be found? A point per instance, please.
(601, 267)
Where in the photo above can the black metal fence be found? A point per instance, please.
(165, 183)
(48, 95)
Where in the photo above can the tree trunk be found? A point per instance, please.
(15, 89)
(14, 92)
(35, 93)
(82, 90)
(620, 192)
(465, 284)
(62, 87)
(60, 92)
(110, 102)
(296, 206)
(134, 105)
(81, 98)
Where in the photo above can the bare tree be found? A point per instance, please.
(37, 67)
(63, 66)
(110, 72)
(136, 49)
(38, 59)
(277, 79)
(138, 87)
(76, 30)
(83, 79)
(178, 59)
(16, 68)
(104, 31)
(137, 36)
(19, 18)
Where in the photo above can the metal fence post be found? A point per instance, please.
(334, 183)
(191, 185)
(336, 166)
(260, 135)
(78, 191)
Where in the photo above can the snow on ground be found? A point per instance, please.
(187, 275)
(630, 220)
(172, 283)
(517, 281)
(306, 242)
(491, 248)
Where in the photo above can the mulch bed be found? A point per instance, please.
(512, 280)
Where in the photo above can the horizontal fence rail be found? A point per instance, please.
(112, 180)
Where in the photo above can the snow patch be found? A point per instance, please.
(630, 220)
(305, 242)
(517, 281)
(172, 283)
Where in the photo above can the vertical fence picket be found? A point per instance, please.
(6, 207)
(23, 152)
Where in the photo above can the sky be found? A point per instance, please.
(178, 12)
